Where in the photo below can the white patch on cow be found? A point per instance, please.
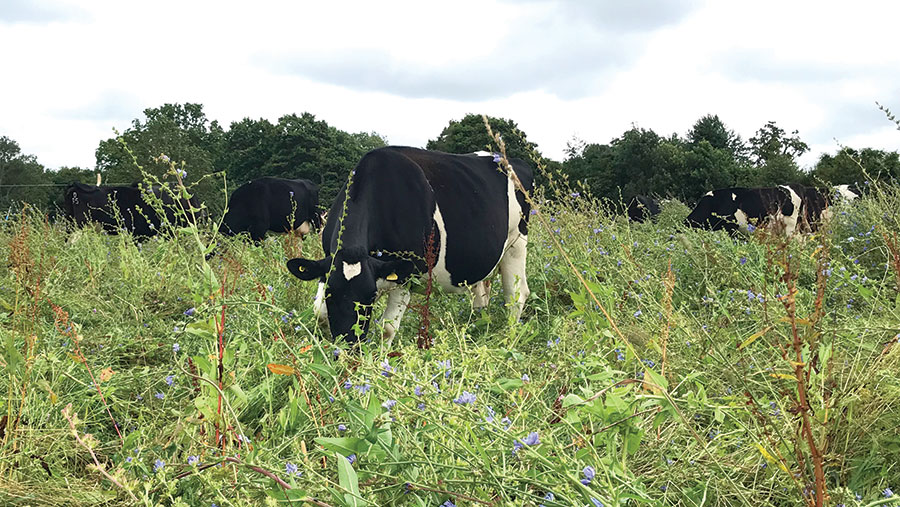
(733, 196)
(789, 222)
(710, 194)
(439, 273)
(304, 228)
(351, 270)
(845, 192)
(482, 153)
(741, 219)
(512, 261)
(319, 308)
(398, 300)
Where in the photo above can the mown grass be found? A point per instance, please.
(687, 395)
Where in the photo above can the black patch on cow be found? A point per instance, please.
(267, 204)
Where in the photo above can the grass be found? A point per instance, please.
(688, 394)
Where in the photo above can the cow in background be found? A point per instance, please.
(119, 207)
(272, 204)
(641, 208)
(740, 208)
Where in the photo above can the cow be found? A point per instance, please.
(406, 205)
(817, 202)
(736, 208)
(272, 204)
(128, 207)
(641, 208)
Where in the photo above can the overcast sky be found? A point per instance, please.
(72, 71)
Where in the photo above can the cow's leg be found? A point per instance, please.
(512, 274)
(319, 308)
(481, 294)
(257, 233)
(398, 300)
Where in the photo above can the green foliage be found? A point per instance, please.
(716, 425)
(468, 135)
(850, 166)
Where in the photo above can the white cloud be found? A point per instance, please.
(406, 68)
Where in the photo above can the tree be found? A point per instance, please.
(850, 166)
(182, 132)
(711, 129)
(469, 135)
(297, 147)
(770, 142)
(22, 178)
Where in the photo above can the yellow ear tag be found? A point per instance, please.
(300, 268)
(391, 277)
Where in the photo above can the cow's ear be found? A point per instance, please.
(397, 271)
(306, 269)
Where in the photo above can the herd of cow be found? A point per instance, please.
(408, 211)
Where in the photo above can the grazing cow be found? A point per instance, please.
(817, 201)
(404, 205)
(642, 208)
(272, 204)
(734, 209)
(126, 207)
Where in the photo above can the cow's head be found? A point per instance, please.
(352, 280)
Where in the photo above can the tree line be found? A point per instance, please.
(640, 161)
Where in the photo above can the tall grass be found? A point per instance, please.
(697, 402)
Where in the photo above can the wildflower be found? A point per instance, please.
(418, 391)
(712, 433)
(743, 261)
(496, 159)
(751, 228)
(465, 398)
(292, 193)
(525, 378)
(420, 406)
(389, 404)
(290, 468)
(663, 488)
(336, 353)
(159, 396)
(619, 355)
(342, 427)
(176, 347)
(347, 384)
(597, 503)
(182, 173)
(637, 314)
(193, 460)
(128, 459)
(269, 288)
(448, 503)
(190, 311)
(589, 474)
(363, 389)
(506, 422)
(387, 370)
(351, 458)
(532, 439)
(887, 493)
(158, 464)
(170, 379)
(243, 438)
(490, 417)
(175, 329)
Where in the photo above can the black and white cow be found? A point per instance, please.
(818, 201)
(127, 207)
(401, 200)
(641, 208)
(740, 208)
(272, 204)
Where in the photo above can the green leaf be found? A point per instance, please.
(349, 481)
(658, 379)
(343, 445)
(322, 369)
(572, 399)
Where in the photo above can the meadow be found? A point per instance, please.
(653, 365)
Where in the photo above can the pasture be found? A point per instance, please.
(653, 365)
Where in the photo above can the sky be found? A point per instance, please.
(590, 69)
